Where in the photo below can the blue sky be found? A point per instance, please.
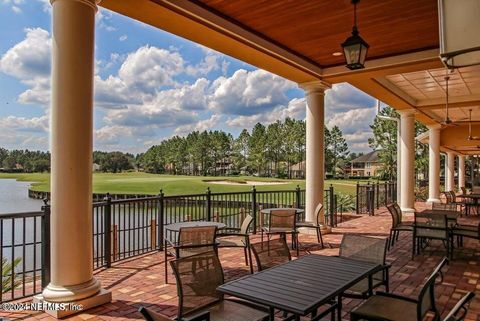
(151, 85)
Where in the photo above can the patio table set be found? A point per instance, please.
(441, 222)
(310, 286)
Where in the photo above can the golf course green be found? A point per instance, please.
(144, 183)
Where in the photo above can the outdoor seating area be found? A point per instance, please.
(358, 250)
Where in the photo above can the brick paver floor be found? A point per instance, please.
(140, 281)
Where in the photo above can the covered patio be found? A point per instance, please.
(300, 42)
(139, 281)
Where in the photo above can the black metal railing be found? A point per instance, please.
(125, 228)
(24, 240)
(372, 196)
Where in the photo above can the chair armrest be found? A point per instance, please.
(395, 296)
(192, 246)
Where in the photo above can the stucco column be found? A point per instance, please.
(71, 124)
(450, 172)
(434, 164)
(407, 165)
(315, 162)
(461, 172)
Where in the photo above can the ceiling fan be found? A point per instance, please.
(470, 137)
(447, 120)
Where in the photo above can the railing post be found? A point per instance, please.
(357, 210)
(334, 219)
(377, 193)
(108, 231)
(298, 196)
(386, 193)
(209, 204)
(332, 205)
(254, 209)
(160, 219)
(45, 249)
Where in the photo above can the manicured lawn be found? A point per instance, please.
(143, 183)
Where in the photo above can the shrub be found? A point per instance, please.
(8, 273)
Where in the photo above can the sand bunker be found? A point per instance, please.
(256, 183)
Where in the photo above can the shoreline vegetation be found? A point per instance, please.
(145, 183)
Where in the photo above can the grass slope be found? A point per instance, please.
(143, 183)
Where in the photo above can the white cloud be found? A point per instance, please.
(150, 68)
(14, 4)
(30, 58)
(249, 93)
(123, 37)
(202, 125)
(35, 124)
(294, 109)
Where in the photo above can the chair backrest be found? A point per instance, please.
(196, 239)
(270, 253)
(246, 224)
(318, 213)
(459, 311)
(364, 248)
(198, 277)
(454, 196)
(150, 315)
(283, 218)
(426, 298)
(444, 207)
(393, 212)
(399, 212)
(448, 197)
(431, 225)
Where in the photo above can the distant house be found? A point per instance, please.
(297, 170)
(365, 165)
(96, 167)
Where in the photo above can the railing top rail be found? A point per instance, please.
(230, 193)
(134, 199)
(278, 191)
(21, 215)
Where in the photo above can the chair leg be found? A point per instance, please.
(246, 255)
(398, 234)
(320, 236)
(165, 262)
(389, 241)
(250, 259)
(339, 308)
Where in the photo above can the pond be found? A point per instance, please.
(14, 197)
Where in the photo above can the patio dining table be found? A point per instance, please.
(451, 215)
(303, 285)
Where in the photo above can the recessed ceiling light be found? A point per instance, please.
(337, 53)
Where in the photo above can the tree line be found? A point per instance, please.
(266, 150)
(275, 150)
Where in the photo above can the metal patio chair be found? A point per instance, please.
(368, 249)
(460, 231)
(459, 311)
(394, 307)
(428, 227)
(237, 237)
(282, 222)
(270, 253)
(316, 225)
(397, 225)
(190, 241)
(198, 277)
(150, 315)
(444, 207)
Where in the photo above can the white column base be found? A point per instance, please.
(406, 210)
(433, 200)
(98, 299)
(311, 231)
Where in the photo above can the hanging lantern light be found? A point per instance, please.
(355, 48)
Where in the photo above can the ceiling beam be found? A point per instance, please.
(375, 68)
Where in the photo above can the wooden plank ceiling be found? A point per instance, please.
(315, 29)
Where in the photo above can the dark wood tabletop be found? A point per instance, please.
(451, 215)
(302, 285)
